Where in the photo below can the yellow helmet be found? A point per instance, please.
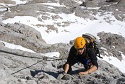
(79, 42)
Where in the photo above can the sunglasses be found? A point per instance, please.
(81, 48)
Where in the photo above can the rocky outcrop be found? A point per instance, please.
(26, 68)
(113, 43)
(21, 34)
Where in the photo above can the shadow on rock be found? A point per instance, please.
(121, 81)
(76, 71)
(37, 72)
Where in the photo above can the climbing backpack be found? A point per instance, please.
(91, 43)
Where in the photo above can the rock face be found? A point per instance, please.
(15, 68)
(113, 43)
(20, 67)
(22, 35)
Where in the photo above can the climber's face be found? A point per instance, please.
(81, 50)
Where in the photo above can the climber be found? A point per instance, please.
(80, 53)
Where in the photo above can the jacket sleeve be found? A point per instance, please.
(71, 55)
(93, 57)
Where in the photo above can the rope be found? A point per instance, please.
(43, 59)
(26, 67)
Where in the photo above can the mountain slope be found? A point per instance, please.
(48, 26)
